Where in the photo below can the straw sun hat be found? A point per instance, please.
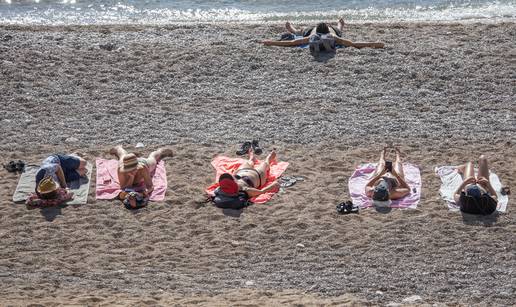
(47, 186)
(130, 163)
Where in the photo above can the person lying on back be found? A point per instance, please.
(322, 31)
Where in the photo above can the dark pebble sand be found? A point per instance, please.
(445, 93)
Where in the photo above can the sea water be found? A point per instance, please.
(184, 11)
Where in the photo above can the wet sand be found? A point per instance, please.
(443, 92)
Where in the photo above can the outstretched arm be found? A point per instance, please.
(348, 43)
(252, 192)
(292, 43)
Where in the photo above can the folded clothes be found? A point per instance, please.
(27, 185)
(230, 165)
(108, 186)
(451, 180)
(363, 174)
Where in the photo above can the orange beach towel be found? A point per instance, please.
(230, 165)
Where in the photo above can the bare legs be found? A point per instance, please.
(119, 152)
(467, 170)
(340, 24)
(381, 162)
(263, 168)
(293, 30)
(398, 165)
(290, 28)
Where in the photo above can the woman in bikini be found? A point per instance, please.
(249, 178)
(388, 181)
(476, 195)
(321, 29)
(134, 172)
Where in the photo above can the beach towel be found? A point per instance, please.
(27, 185)
(230, 165)
(451, 180)
(108, 186)
(363, 174)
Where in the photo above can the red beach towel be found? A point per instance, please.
(230, 165)
(108, 186)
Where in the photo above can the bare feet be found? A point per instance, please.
(271, 158)
(289, 27)
(115, 150)
(165, 153)
(340, 24)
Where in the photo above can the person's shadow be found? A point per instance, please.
(232, 212)
(480, 220)
(383, 210)
(50, 213)
(324, 57)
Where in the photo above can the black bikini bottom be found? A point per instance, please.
(247, 179)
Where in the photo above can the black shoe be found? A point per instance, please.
(256, 148)
(244, 149)
(347, 208)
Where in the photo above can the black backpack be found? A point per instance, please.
(224, 201)
(483, 205)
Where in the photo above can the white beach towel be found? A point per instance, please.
(451, 180)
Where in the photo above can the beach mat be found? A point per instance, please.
(230, 165)
(108, 186)
(451, 180)
(362, 175)
(27, 185)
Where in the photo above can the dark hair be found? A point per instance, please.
(50, 195)
(322, 28)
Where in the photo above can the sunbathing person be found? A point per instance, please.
(134, 172)
(388, 181)
(62, 168)
(476, 194)
(322, 29)
(249, 178)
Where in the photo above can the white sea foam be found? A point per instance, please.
(71, 12)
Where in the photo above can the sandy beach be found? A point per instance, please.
(444, 93)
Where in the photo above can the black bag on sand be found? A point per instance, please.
(236, 202)
(484, 205)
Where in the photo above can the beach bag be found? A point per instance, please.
(141, 200)
(236, 202)
(321, 43)
(484, 205)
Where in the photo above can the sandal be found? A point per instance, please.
(15, 166)
(244, 149)
(256, 148)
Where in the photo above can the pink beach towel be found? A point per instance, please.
(363, 174)
(108, 186)
(230, 165)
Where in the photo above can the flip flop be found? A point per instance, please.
(286, 181)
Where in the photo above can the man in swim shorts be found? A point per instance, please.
(62, 169)
(321, 29)
(134, 172)
(249, 178)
